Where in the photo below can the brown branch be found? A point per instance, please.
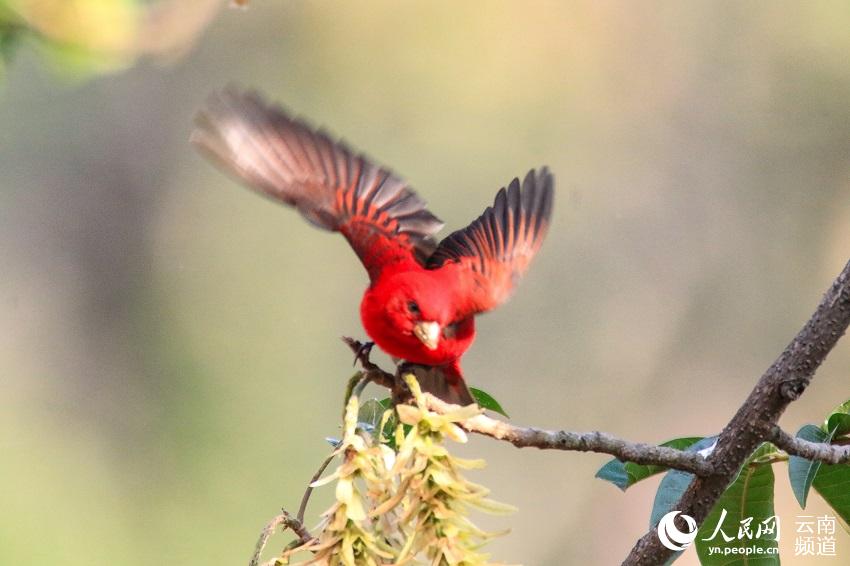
(755, 420)
(302, 508)
(826, 453)
(355, 387)
(523, 437)
(601, 442)
(286, 521)
(374, 373)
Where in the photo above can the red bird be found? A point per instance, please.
(423, 296)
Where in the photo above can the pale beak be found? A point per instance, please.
(428, 333)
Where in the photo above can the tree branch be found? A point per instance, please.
(602, 442)
(826, 453)
(755, 420)
(286, 521)
(374, 373)
(523, 437)
(302, 508)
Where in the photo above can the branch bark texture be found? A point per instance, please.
(602, 442)
(826, 453)
(756, 419)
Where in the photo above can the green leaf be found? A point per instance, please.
(486, 401)
(744, 496)
(674, 484)
(748, 506)
(833, 484)
(388, 434)
(802, 472)
(670, 491)
(626, 474)
(838, 421)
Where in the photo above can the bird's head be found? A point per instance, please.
(420, 308)
(414, 318)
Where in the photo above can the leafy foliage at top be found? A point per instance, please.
(82, 38)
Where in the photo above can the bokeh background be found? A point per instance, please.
(169, 352)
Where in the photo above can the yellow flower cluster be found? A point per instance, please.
(436, 498)
(403, 506)
(348, 536)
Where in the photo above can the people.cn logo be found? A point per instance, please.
(670, 535)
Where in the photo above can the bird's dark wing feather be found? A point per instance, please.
(334, 188)
(491, 254)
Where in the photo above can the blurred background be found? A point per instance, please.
(169, 342)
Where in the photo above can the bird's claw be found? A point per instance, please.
(372, 371)
(362, 353)
(361, 350)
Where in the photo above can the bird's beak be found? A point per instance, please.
(428, 333)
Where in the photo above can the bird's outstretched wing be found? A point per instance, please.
(491, 254)
(333, 187)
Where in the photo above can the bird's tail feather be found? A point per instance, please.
(442, 383)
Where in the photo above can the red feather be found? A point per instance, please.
(335, 189)
(422, 298)
(493, 253)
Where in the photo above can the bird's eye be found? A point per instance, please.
(413, 307)
(450, 330)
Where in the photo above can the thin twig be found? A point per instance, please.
(357, 390)
(522, 437)
(302, 508)
(600, 442)
(349, 390)
(355, 387)
(375, 373)
(826, 453)
(287, 522)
